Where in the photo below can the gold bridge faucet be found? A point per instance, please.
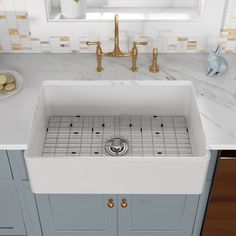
(116, 52)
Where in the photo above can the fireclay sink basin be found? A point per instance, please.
(117, 137)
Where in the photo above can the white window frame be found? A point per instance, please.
(208, 24)
(139, 10)
(149, 3)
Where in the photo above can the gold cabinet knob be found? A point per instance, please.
(110, 203)
(124, 203)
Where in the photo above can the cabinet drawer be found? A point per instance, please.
(5, 171)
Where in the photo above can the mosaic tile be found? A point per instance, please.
(15, 36)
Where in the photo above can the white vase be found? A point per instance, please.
(73, 10)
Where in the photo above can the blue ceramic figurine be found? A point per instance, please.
(217, 64)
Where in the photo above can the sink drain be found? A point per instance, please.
(117, 146)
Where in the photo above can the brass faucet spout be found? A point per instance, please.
(117, 52)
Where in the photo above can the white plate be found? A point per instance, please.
(19, 83)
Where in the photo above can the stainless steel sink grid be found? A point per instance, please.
(148, 136)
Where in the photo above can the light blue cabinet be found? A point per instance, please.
(11, 220)
(77, 215)
(18, 167)
(23, 213)
(18, 212)
(145, 215)
(26, 197)
(157, 215)
(201, 210)
(5, 171)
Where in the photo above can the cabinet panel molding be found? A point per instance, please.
(158, 215)
(77, 215)
(11, 219)
(18, 166)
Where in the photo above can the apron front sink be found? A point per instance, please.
(120, 137)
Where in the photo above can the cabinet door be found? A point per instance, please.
(202, 207)
(80, 215)
(29, 209)
(159, 215)
(11, 220)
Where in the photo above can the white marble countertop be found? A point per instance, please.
(216, 96)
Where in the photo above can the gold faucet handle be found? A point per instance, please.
(134, 54)
(93, 43)
(99, 53)
(140, 43)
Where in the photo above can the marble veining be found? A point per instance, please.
(216, 96)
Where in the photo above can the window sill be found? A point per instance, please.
(127, 14)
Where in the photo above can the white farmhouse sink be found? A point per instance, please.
(159, 121)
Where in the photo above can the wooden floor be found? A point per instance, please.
(221, 215)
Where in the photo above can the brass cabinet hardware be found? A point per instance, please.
(117, 52)
(154, 68)
(110, 203)
(124, 203)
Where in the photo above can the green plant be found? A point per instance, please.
(77, 1)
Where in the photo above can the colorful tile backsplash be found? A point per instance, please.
(15, 35)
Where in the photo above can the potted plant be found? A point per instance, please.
(73, 8)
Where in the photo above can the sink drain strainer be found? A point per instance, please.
(117, 146)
